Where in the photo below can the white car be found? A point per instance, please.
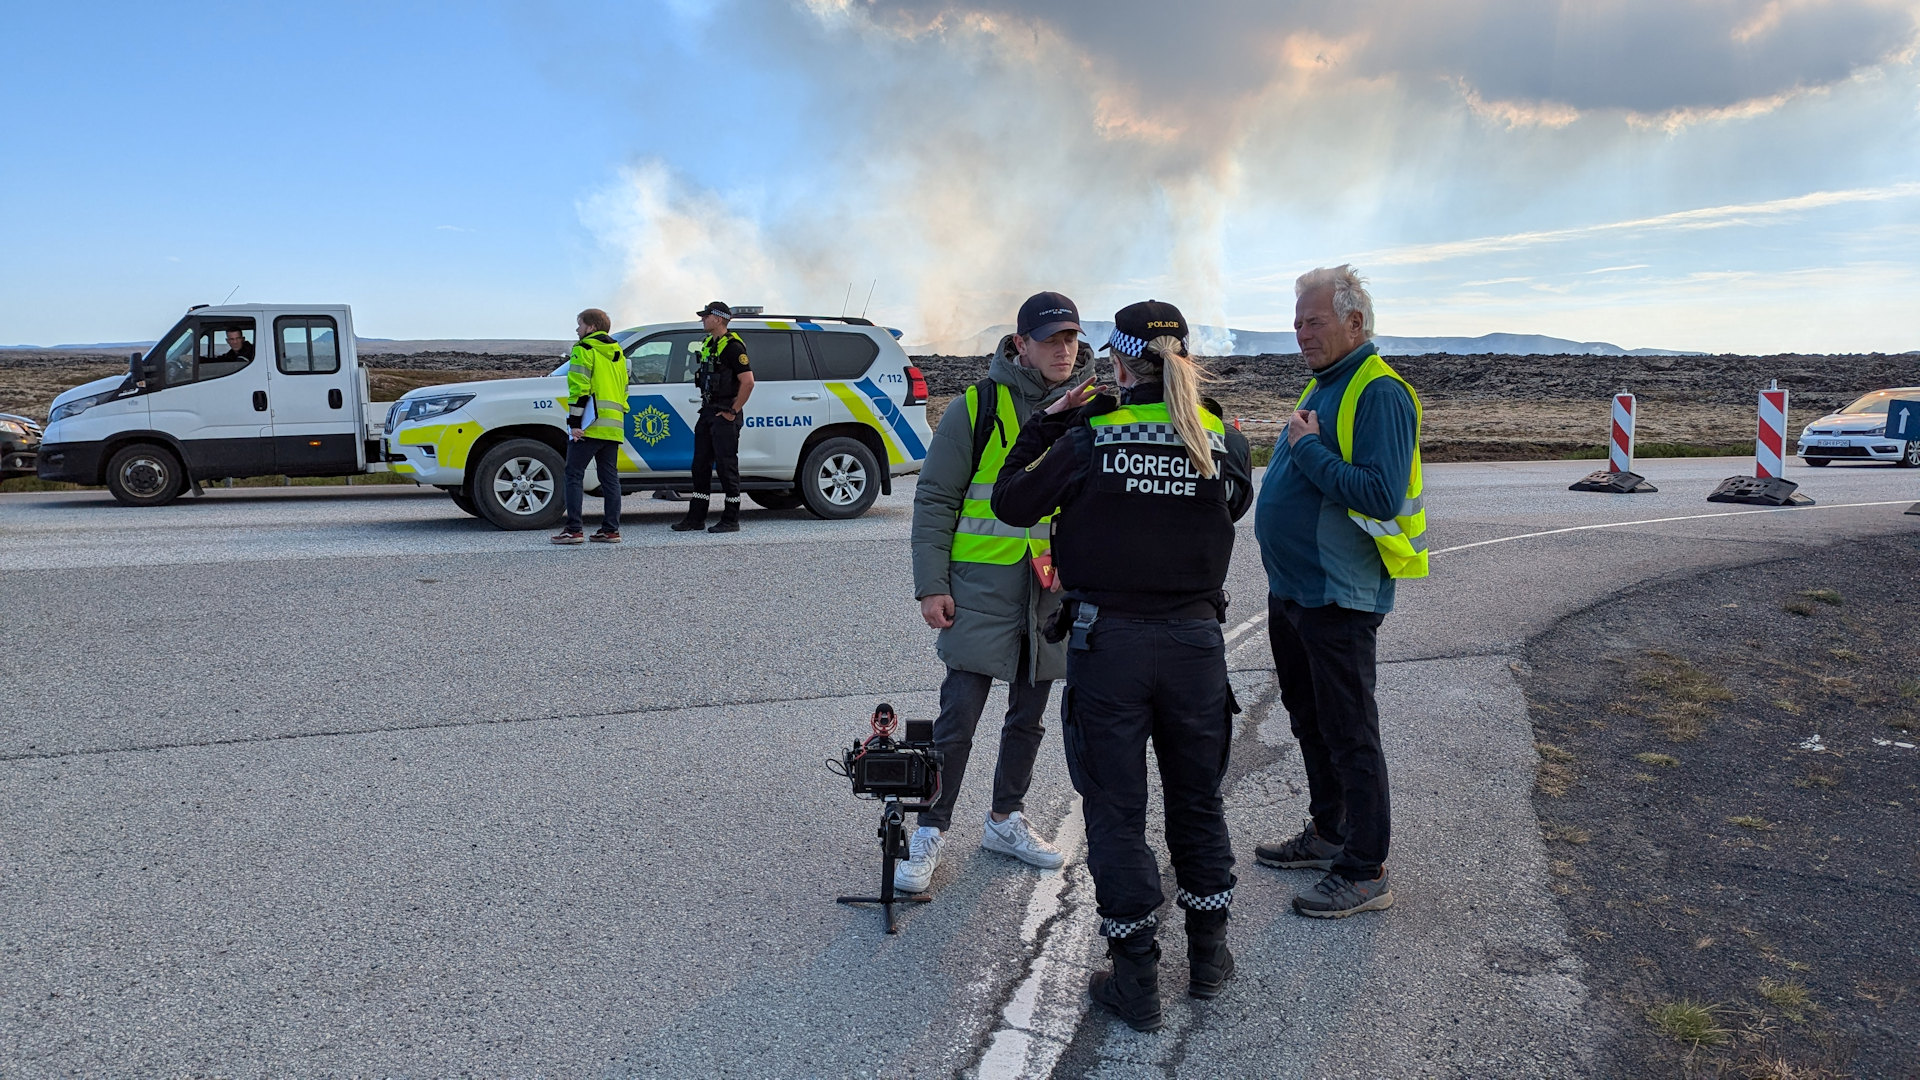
(837, 411)
(1859, 433)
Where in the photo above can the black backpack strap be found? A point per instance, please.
(986, 395)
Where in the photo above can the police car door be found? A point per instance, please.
(662, 402)
(785, 406)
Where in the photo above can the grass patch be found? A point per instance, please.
(1664, 761)
(1550, 752)
(1845, 656)
(1668, 450)
(1566, 834)
(1774, 1067)
(1262, 454)
(1789, 996)
(1689, 1021)
(1685, 694)
(1822, 596)
(1909, 689)
(1748, 821)
(1799, 607)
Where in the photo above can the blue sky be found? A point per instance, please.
(1703, 174)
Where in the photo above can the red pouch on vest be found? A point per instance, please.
(1043, 569)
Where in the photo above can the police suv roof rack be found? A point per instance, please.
(851, 320)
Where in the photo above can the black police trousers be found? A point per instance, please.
(1164, 681)
(716, 442)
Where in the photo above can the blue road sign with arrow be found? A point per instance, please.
(1903, 420)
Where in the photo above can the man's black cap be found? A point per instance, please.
(1137, 324)
(1046, 314)
(715, 307)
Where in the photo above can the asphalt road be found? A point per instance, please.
(343, 782)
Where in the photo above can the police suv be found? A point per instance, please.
(837, 411)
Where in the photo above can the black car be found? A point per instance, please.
(19, 445)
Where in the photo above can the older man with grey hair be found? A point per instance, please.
(1338, 520)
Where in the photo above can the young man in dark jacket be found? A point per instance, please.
(978, 583)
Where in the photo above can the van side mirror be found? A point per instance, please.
(146, 371)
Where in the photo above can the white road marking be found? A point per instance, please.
(1016, 1050)
(1657, 521)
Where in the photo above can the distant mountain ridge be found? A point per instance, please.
(1222, 341)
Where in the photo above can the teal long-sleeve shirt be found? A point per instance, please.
(1314, 553)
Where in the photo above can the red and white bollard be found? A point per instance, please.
(1618, 478)
(1770, 445)
(1767, 486)
(1620, 451)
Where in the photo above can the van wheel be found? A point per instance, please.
(464, 501)
(145, 475)
(839, 479)
(776, 500)
(519, 485)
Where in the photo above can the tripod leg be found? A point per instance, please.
(889, 837)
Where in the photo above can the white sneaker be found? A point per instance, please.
(923, 854)
(1016, 838)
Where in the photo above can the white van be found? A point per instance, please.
(837, 411)
(235, 390)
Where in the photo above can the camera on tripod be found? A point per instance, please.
(883, 768)
(902, 774)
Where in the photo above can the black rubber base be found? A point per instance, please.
(1759, 491)
(1613, 483)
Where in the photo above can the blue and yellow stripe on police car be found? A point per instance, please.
(871, 406)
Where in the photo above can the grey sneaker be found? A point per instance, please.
(1336, 897)
(1016, 837)
(1304, 852)
(923, 855)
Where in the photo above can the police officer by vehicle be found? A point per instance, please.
(725, 384)
(1147, 489)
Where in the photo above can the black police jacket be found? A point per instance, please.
(1147, 554)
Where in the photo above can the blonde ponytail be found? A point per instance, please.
(1166, 359)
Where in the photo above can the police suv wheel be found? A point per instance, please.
(463, 500)
(1911, 459)
(839, 479)
(776, 500)
(145, 475)
(520, 485)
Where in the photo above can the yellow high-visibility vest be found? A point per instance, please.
(598, 368)
(981, 537)
(1402, 541)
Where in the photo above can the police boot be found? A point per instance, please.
(1208, 961)
(729, 518)
(1132, 989)
(696, 515)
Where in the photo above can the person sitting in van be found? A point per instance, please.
(239, 349)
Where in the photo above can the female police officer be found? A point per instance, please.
(1148, 488)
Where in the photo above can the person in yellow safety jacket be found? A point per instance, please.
(596, 425)
(1340, 520)
(978, 582)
